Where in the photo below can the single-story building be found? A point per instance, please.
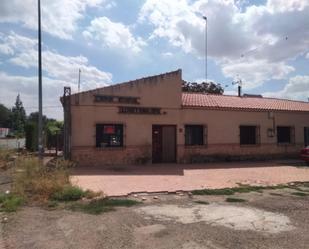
(150, 120)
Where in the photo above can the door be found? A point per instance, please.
(306, 136)
(163, 143)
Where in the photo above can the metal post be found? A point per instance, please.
(67, 122)
(205, 18)
(79, 71)
(40, 122)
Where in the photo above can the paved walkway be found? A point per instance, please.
(115, 181)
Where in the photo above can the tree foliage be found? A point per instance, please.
(204, 87)
(18, 117)
(51, 129)
(5, 114)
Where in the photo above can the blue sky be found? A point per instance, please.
(263, 43)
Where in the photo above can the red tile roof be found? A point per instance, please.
(211, 101)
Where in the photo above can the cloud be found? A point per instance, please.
(11, 85)
(58, 71)
(113, 35)
(256, 71)
(238, 38)
(65, 68)
(59, 17)
(167, 54)
(296, 88)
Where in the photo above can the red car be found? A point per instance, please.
(304, 154)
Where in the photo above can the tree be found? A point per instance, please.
(52, 130)
(204, 87)
(18, 117)
(5, 114)
(32, 130)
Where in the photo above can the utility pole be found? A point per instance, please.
(40, 122)
(205, 18)
(79, 72)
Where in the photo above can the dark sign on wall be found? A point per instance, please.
(116, 99)
(139, 110)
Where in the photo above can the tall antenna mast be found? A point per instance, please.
(205, 18)
(239, 83)
(79, 72)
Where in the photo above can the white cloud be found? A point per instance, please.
(113, 35)
(284, 6)
(256, 71)
(11, 85)
(167, 54)
(111, 5)
(58, 71)
(296, 88)
(238, 39)
(55, 65)
(59, 17)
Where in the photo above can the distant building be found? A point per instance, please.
(150, 120)
(4, 132)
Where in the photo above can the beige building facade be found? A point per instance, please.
(150, 120)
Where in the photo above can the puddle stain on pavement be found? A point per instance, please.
(235, 217)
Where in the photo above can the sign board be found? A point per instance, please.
(116, 99)
(139, 110)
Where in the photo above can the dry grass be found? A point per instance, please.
(34, 181)
(5, 155)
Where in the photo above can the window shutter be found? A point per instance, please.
(124, 135)
(292, 134)
(258, 134)
(205, 142)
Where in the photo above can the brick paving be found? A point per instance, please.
(122, 180)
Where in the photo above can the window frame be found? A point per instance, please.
(204, 135)
(122, 138)
(291, 133)
(257, 135)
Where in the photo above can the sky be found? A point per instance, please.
(263, 43)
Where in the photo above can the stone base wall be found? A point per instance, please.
(90, 156)
(235, 152)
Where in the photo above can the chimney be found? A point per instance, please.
(239, 91)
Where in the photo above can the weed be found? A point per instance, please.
(10, 202)
(102, 205)
(202, 202)
(275, 194)
(52, 204)
(235, 200)
(89, 194)
(299, 194)
(68, 193)
(32, 180)
(240, 189)
(224, 191)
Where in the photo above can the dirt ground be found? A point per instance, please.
(272, 219)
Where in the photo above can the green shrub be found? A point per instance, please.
(10, 202)
(299, 194)
(202, 202)
(223, 191)
(102, 205)
(235, 200)
(68, 193)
